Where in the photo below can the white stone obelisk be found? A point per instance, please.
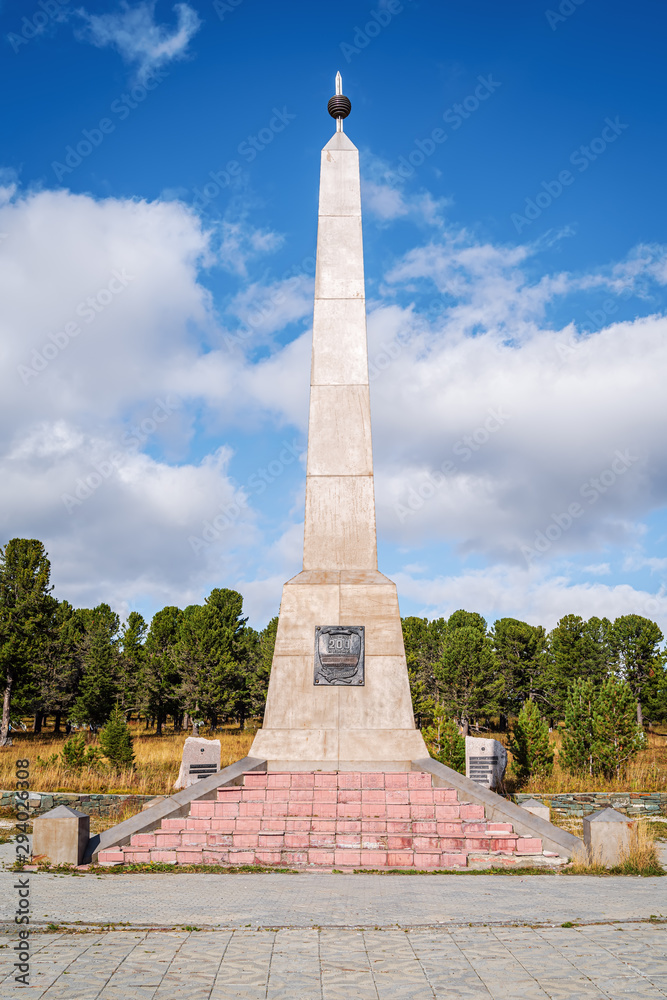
(330, 727)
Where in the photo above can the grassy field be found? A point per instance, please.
(646, 773)
(158, 759)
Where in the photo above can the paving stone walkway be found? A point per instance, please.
(467, 963)
(338, 937)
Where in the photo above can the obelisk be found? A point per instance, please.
(339, 696)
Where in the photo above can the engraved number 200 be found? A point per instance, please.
(339, 643)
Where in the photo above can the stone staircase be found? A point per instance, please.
(327, 820)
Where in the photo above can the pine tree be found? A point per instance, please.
(116, 741)
(98, 689)
(618, 735)
(27, 614)
(467, 674)
(636, 641)
(577, 649)
(578, 743)
(530, 745)
(130, 662)
(424, 646)
(520, 651)
(444, 741)
(161, 679)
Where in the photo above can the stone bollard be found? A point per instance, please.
(608, 835)
(537, 808)
(61, 835)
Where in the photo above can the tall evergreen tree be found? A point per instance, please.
(161, 680)
(619, 736)
(521, 657)
(98, 689)
(578, 742)
(130, 663)
(59, 671)
(467, 674)
(636, 642)
(424, 646)
(577, 649)
(27, 613)
(213, 652)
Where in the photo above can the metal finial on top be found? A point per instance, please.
(339, 106)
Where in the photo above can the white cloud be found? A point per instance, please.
(383, 196)
(240, 243)
(598, 569)
(266, 309)
(134, 33)
(530, 595)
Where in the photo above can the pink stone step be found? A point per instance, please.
(331, 819)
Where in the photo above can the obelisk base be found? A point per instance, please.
(338, 727)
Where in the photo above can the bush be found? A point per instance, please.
(75, 756)
(444, 741)
(116, 741)
(530, 743)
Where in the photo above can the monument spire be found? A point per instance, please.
(339, 696)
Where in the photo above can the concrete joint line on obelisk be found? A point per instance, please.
(344, 717)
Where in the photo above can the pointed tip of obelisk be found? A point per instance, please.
(340, 140)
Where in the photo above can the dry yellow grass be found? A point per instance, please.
(157, 762)
(647, 772)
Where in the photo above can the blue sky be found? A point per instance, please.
(159, 170)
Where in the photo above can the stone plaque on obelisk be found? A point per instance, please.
(339, 697)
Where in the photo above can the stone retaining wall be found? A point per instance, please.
(93, 804)
(583, 803)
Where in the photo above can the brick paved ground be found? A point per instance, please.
(477, 963)
(325, 937)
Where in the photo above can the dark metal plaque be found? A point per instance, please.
(339, 654)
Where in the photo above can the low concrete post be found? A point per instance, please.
(537, 808)
(61, 835)
(608, 835)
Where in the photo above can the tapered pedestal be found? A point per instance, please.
(339, 728)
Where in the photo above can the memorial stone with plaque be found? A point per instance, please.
(486, 761)
(200, 758)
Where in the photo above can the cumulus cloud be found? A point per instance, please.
(536, 596)
(100, 398)
(142, 42)
(490, 422)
